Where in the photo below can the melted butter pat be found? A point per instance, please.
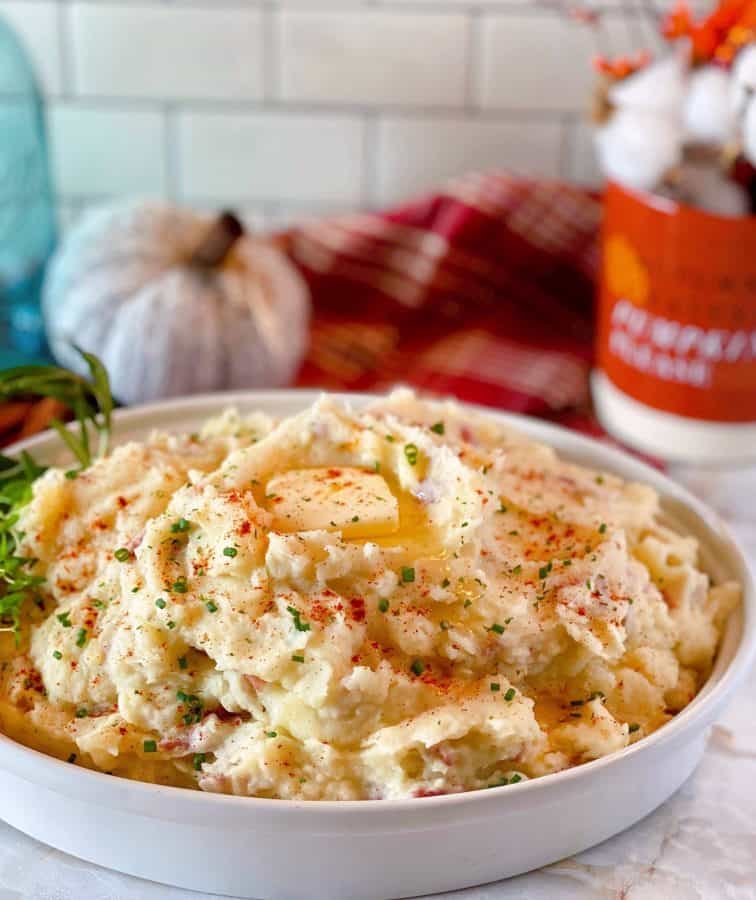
(550, 711)
(363, 505)
(416, 534)
(356, 502)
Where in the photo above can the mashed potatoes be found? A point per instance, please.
(407, 601)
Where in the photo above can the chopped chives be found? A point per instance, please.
(408, 573)
(510, 694)
(438, 428)
(634, 726)
(149, 746)
(180, 526)
(445, 583)
(211, 607)
(64, 620)
(182, 661)
(230, 551)
(411, 451)
(197, 761)
(297, 616)
(418, 667)
(271, 734)
(602, 527)
(122, 554)
(81, 637)
(498, 629)
(180, 586)
(495, 686)
(81, 713)
(297, 658)
(57, 654)
(160, 603)
(383, 605)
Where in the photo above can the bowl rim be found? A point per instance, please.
(723, 680)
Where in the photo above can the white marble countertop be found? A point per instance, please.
(700, 845)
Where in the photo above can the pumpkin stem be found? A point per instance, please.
(216, 244)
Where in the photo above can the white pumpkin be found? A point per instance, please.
(175, 302)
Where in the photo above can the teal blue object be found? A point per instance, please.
(27, 212)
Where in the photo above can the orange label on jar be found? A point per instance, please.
(677, 307)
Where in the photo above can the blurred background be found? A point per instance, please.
(414, 192)
(285, 108)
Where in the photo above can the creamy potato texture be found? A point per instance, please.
(405, 601)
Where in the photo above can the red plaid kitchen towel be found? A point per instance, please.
(483, 291)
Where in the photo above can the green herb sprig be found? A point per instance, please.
(92, 406)
(90, 401)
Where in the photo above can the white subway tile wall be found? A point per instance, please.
(289, 108)
(373, 58)
(101, 151)
(270, 156)
(166, 53)
(415, 154)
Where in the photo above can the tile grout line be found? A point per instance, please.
(171, 153)
(473, 73)
(67, 50)
(218, 105)
(369, 184)
(271, 53)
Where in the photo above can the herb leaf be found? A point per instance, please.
(92, 405)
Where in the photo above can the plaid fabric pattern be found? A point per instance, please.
(483, 291)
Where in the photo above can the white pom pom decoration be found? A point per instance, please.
(707, 187)
(637, 148)
(743, 82)
(707, 116)
(748, 132)
(175, 303)
(658, 87)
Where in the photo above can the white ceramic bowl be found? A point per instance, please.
(377, 849)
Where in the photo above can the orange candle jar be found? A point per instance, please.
(676, 371)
